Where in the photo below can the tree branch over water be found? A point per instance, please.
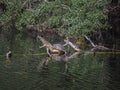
(98, 47)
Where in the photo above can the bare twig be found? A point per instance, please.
(98, 47)
(90, 41)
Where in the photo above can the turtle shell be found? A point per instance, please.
(59, 46)
(58, 50)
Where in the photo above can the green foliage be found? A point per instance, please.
(11, 14)
(70, 17)
(85, 16)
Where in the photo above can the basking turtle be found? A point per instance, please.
(58, 49)
(52, 49)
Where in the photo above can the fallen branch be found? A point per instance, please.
(96, 47)
(74, 46)
(90, 41)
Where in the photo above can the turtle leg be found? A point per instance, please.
(48, 52)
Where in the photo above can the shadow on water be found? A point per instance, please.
(27, 70)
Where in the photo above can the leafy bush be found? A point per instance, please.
(70, 17)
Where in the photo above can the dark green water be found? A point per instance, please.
(28, 69)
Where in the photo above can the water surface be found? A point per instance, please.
(30, 68)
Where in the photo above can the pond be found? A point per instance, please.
(30, 68)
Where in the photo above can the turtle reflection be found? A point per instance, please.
(61, 58)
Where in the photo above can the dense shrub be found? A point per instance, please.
(69, 17)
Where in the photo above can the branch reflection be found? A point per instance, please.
(62, 58)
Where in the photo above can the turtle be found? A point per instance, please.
(58, 49)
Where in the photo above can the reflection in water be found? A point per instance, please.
(86, 71)
(26, 71)
(7, 63)
(63, 58)
(112, 72)
(67, 72)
